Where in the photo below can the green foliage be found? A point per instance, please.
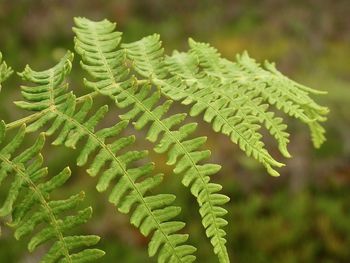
(183, 151)
(153, 213)
(321, 235)
(234, 97)
(29, 204)
(237, 98)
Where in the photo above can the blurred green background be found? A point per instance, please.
(302, 216)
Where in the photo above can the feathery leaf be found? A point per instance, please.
(267, 83)
(144, 108)
(31, 208)
(235, 97)
(152, 214)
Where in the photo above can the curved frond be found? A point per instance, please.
(237, 98)
(244, 104)
(152, 214)
(144, 108)
(32, 210)
(237, 123)
(266, 82)
(5, 71)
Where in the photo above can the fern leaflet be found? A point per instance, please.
(28, 203)
(222, 119)
(202, 78)
(268, 83)
(182, 151)
(151, 213)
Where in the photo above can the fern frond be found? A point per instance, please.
(247, 105)
(267, 82)
(183, 151)
(152, 214)
(5, 71)
(237, 123)
(235, 97)
(31, 208)
(240, 99)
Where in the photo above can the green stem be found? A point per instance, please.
(37, 115)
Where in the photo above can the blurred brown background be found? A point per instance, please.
(302, 216)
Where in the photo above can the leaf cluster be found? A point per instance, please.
(236, 98)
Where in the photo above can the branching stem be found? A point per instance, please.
(37, 115)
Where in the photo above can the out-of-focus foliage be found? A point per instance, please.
(301, 217)
(5, 71)
(310, 228)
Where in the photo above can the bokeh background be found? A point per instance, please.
(302, 216)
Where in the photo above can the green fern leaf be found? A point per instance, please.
(268, 83)
(233, 97)
(5, 71)
(241, 128)
(28, 203)
(237, 98)
(182, 151)
(152, 213)
(247, 105)
(51, 89)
